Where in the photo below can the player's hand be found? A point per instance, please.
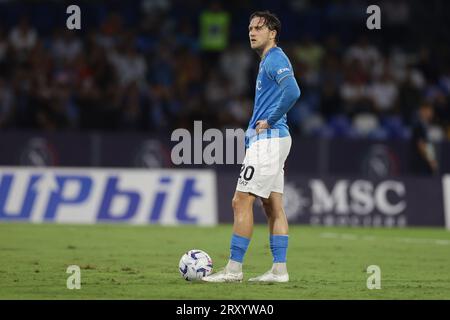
(434, 166)
(261, 125)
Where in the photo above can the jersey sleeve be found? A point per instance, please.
(278, 68)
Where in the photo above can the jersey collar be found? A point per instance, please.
(268, 52)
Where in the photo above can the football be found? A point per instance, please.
(195, 264)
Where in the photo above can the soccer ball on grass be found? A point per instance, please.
(195, 264)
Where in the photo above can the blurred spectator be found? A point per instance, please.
(133, 107)
(331, 79)
(153, 19)
(66, 46)
(129, 64)
(425, 65)
(217, 91)
(354, 90)
(214, 28)
(410, 93)
(365, 53)
(439, 95)
(384, 93)
(6, 103)
(3, 52)
(235, 64)
(22, 38)
(309, 53)
(110, 31)
(240, 110)
(330, 100)
(423, 154)
(159, 65)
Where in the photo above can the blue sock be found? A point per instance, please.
(278, 246)
(238, 247)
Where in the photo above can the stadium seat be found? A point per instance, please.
(394, 126)
(365, 123)
(312, 124)
(341, 126)
(378, 134)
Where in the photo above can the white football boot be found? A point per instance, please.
(278, 273)
(231, 273)
(224, 276)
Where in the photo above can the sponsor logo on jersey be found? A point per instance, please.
(280, 71)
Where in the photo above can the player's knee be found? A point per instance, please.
(238, 211)
(241, 202)
(235, 203)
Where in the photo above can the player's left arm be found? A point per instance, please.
(282, 73)
(290, 94)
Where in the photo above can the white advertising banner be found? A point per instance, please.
(135, 196)
(446, 190)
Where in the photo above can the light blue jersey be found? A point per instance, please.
(272, 98)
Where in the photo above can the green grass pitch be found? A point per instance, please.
(141, 262)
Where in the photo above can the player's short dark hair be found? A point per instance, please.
(270, 20)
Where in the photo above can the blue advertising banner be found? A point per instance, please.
(333, 201)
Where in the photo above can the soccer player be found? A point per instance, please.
(268, 144)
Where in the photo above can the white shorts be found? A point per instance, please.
(262, 171)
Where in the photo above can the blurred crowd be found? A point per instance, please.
(149, 69)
